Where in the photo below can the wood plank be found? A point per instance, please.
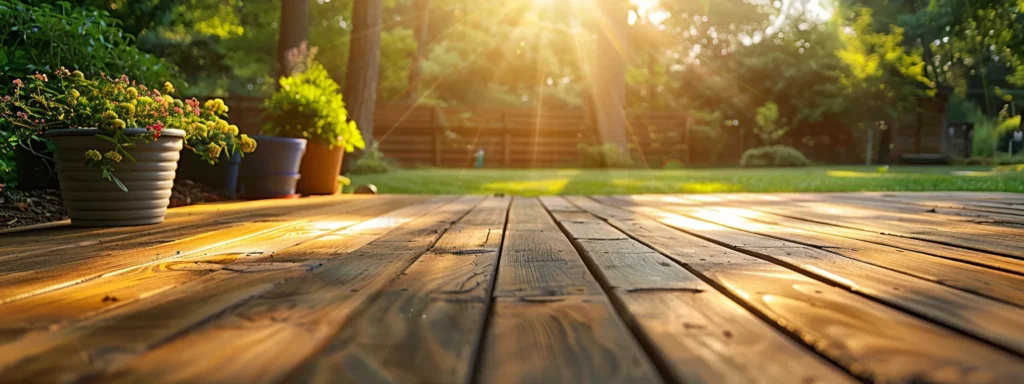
(63, 307)
(871, 209)
(997, 262)
(698, 333)
(43, 241)
(868, 339)
(264, 339)
(993, 284)
(567, 339)
(537, 259)
(847, 217)
(927, 217)
(1003, 206)
(997, 322)
(551, 322)
(427, 324)
(27, 276)
(951, 211)
(80, 352)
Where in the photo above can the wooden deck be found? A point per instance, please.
(740, 288)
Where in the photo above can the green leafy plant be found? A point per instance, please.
(45, 37)
(309, 105)
(373, 161)
(70, 100)
(604, 156)
(774, 156)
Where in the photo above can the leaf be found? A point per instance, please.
(105, 137)
(119, 183)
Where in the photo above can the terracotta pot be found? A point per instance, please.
(320, 169)
(92, 201)
(273, 170)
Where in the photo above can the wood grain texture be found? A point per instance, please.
(426, 325)
(996, 285)
(266, 338)
(698, 333)
(973, 257)
(940, 209)
(999, 323)
(61, 237)
(28, 275)
(954, 235)
(537, 259)
(551, 322)
(869, 340)
(65, 306)
(88, 349)
(568, 339)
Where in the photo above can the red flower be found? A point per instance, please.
(18, 83)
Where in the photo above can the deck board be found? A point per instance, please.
(729, 288)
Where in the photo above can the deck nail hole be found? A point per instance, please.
(727, 334)
(353, 290)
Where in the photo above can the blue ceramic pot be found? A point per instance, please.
(273, 169)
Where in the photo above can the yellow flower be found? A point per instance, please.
(248, 144)
(128, 108)
(132, 92)
(213, 150)
(92, 154)
(168, 87)
(109, 115)
(78, 75)
(113, 156)
(233, 130)
(75, 94)
(145, 100)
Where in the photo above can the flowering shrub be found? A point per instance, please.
(309, 105)
(70, 100)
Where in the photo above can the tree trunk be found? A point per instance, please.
(609, 75)
(293, 32)
(363, 70)
(422, 9)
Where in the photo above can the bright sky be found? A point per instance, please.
(819, 10)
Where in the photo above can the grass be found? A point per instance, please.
(532, 182)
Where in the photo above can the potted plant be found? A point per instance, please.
(220, 173)
(308, 105)
(115, 159)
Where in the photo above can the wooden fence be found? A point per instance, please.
(523, 138)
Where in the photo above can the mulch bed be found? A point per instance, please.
(20, 208)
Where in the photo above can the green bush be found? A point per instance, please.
(604, 156)
(308, 105)
(373, 161)
(774, 156)
(673, 164)
(46, 37)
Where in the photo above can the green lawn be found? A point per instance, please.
(532, 182)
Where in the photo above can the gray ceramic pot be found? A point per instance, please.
(92, 201)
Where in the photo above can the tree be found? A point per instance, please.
(769, 126)
(421, 28)
(883, 78)
(608, 77)
(363, 68)
(294, 33)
